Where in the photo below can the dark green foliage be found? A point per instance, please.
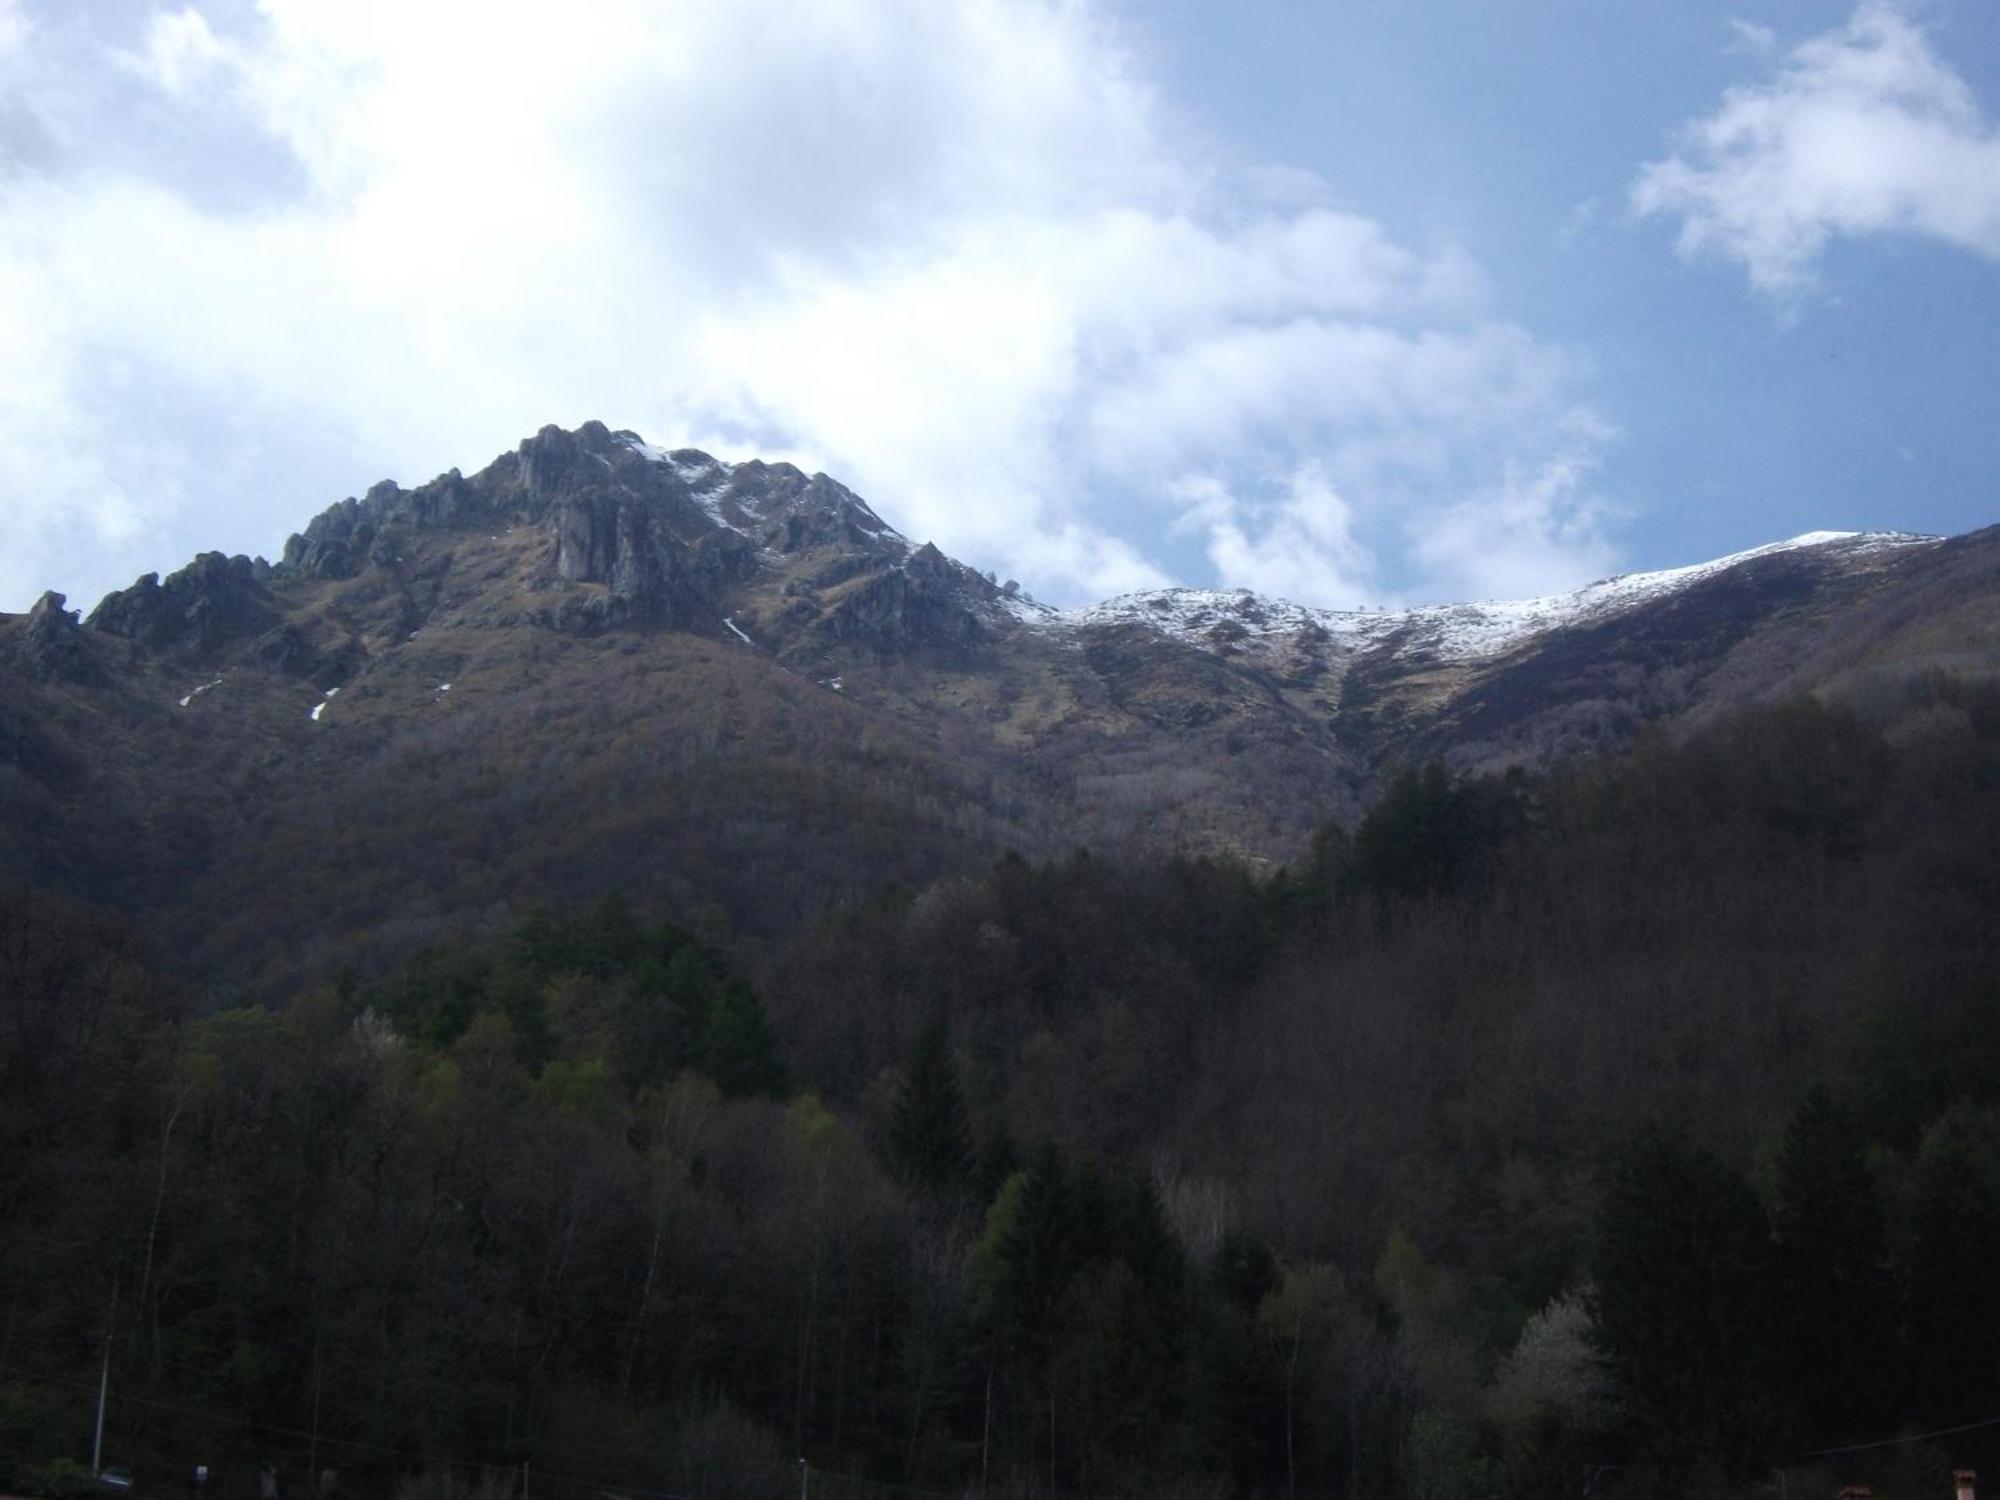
(1417, 840)
(930, 1134)
(1953, 1293)
(738, 1049)
(1130, 1414)
(1022, 1264)
(1833, 1292)
(1682, 1276)
(1271, 1173)
(632, 997)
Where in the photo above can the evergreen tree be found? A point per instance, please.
(1682, 1279)
(930, 1136)
(1416, 841)
(1953, 1294)
(1022, 1263)
(1130, 1407)
(738, 1049)
(1833, 1289)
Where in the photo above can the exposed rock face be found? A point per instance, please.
(922, 602)
(614, 539)
(341, 539)
(628, 543)
(615, 512)
(644, 536)
(52, 643)
(212, 600)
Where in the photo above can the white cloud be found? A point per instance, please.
(181, 56)
(961, 256)
(1302, 547)
(1539, 529)
(1861, 131)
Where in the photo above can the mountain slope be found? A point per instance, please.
(737, 693)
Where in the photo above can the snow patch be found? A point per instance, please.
(731, 623)
(708, 494)
(197, 692)
(1028, 611)
(646, 450)
(869, 524)
(318, 709)
(706, 478)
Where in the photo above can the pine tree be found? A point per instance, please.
(738, 1049)
(930, 1135)
(1131, 1414)
(1953, 1295)
(1682, 1279)
(1417, 840)
(1833, 1289)
(1023, 1261)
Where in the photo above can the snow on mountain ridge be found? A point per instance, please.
(1466, 631)
(1462, 632)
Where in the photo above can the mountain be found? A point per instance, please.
(737, 693)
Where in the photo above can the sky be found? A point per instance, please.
(1363, 305)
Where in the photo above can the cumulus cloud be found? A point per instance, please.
(1860, 131)
(1500, 540)
(964, 256)
(1302, 546)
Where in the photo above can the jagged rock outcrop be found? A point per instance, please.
(212, 600)
(52, 643)
(638, 535)
(341, 539)
(615, 513)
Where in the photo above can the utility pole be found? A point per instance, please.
(104, 1387)
(805, 1478)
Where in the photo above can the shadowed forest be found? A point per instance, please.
(1627, 1129)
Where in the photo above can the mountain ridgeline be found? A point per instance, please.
(623, 975)
(735, 693)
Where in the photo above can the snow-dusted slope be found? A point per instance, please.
(1451, 632)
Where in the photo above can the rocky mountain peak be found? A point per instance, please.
(646, 535)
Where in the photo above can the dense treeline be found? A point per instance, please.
(1545, 1135)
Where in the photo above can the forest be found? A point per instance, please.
(1627, 1128)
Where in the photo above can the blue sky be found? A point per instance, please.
(1515, 129)
(1367, 303)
